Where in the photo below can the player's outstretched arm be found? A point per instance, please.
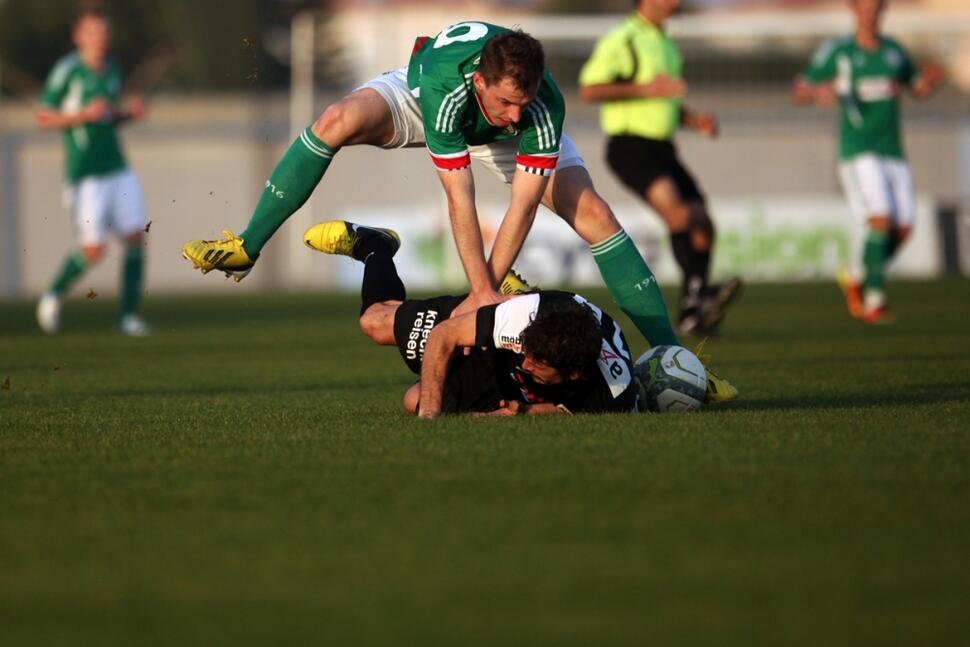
(527, 190)
(804, 92)
(51, 118)
(459, 189)
(931, 76)
(660, 86)
(445, 338)
(703, 122)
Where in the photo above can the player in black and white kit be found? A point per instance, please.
(543, 352)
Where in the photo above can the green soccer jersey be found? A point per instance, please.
(92, 149)
(440, 77)
(635, 52)
(868, 84)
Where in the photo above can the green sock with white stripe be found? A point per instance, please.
(132, 271)
(874, 256)
(74, 266)
(288, 187)
(634, 288)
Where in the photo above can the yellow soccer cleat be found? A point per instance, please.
(349, 239)
(513, 283)
(718, 389)
(225, 255)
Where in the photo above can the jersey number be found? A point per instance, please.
(475, 31)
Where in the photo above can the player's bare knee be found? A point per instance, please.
(880, 223)
(595, 221)
(93, 253)
(333, 126)
(135, 238)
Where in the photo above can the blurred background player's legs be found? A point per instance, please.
(101, 204)
(880, 194)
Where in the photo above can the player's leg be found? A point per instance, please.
(87, 203)
(631, 284)
(571, 195)
(128, 209)
(867, 187)
(904, 204)
(362, 117)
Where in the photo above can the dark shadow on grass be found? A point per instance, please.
(908, 395)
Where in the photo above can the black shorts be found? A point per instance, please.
(413, 322)
(471, 384)
(638, 161)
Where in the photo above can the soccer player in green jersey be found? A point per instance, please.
(478, 91)
(82, 99)
(864, 73)
(635, 73)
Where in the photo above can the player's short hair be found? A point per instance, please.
(565, 335)
(91, 9)
(514, 55)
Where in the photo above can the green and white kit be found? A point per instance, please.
(433, 103)
(102, 193)
(872, 166)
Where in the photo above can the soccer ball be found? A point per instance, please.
(671, 379)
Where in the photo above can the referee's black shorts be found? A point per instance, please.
(638, 161)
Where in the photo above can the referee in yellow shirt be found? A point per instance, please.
(635, 73)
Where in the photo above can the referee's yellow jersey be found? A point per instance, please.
(635, 52)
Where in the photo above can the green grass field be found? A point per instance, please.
(245, 476)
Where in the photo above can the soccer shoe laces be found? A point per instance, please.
(718, 389)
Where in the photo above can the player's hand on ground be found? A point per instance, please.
(664, 86)
(506, 408)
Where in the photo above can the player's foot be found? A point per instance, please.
(689, 323)
(715, 305)
(225, 255)
(134, 326)
(878, 316)
(852, 292)
(718, 389)
(513, 283)
(350, 239)
(49, 313)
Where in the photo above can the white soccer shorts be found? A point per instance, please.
(875, 185)
(498, 157)
(109, 203)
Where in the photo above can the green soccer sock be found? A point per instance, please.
(132, 271)
(288, 187)
(74, 266)
(874, 256)
(634, 288)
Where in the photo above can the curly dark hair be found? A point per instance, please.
(515, 55)
(565, 335)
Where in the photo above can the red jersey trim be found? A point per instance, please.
(452, 163)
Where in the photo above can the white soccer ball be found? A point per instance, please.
(671, 379)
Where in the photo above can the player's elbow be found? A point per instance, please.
(412, 398)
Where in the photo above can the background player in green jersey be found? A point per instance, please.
(635, 73)
(864, 73)
(473, 91)
(82, 98)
